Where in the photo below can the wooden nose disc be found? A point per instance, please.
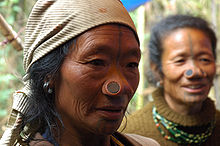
(113, 87)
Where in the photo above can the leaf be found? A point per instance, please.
(15, 1)
(3, 4)
(6, 78)
(11, 19)
(4, 95)
(3, 112)
(16, 8)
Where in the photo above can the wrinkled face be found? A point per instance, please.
(188, 65)
(101, 55)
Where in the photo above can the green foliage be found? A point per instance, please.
(7, 79)
(10, 8)
(133, 15)
(10, 60)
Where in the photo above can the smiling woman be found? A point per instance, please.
(81, 60)
(182, 56)
(187, 50)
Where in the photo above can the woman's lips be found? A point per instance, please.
(111, 113)
(195, 89)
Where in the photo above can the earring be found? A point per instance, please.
(50, 90)
(46, 87)
(158, 84)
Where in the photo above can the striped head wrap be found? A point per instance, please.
(50, 24)
(53, 22)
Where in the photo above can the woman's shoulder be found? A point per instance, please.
(141, 140)
(217, 117)
(139, 121)
(40, 141)
(218, 112)
(143, 111)
(136, 140)
(139, 115)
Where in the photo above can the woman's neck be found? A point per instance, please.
(183, 108)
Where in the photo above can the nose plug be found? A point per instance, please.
(189, 73)
(111, 87)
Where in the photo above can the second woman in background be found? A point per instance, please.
(182, 51)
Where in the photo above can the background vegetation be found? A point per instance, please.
(16, 13)
(11, 68)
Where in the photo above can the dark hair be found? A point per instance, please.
(42, 104)
(168, 25)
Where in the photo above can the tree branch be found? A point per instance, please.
(10, 34)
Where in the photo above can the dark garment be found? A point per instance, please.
(123, 139)
(141, 122)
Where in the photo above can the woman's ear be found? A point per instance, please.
(48, 85)
(50, 80)
(155, 70)
(157, 74)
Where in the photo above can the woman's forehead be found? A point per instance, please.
(113, 28)
(111, 31)
(106, 38)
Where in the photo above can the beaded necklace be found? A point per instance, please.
(177, 135)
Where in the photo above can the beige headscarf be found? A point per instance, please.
(52, 23)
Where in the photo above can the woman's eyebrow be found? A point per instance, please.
(133, 52)
(97, 49)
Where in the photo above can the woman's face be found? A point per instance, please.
(188, 66)
(102, 54)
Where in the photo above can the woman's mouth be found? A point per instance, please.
(196, 89)
(110, 113)
(195, 86)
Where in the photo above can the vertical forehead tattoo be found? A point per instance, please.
(189, 72)
(191, 46)
(113, 87)
(119, 42)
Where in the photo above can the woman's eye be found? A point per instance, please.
(133, 65)
(179, 60)
(205, 60)
(97, 62)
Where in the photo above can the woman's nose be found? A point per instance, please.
(194, 72)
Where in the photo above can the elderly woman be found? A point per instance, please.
(81, 60)
(182, 51)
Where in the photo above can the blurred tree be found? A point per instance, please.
(11, 68)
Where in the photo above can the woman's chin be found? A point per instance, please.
(109, 127)
(195, 99)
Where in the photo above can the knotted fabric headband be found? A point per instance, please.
(50, 24)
